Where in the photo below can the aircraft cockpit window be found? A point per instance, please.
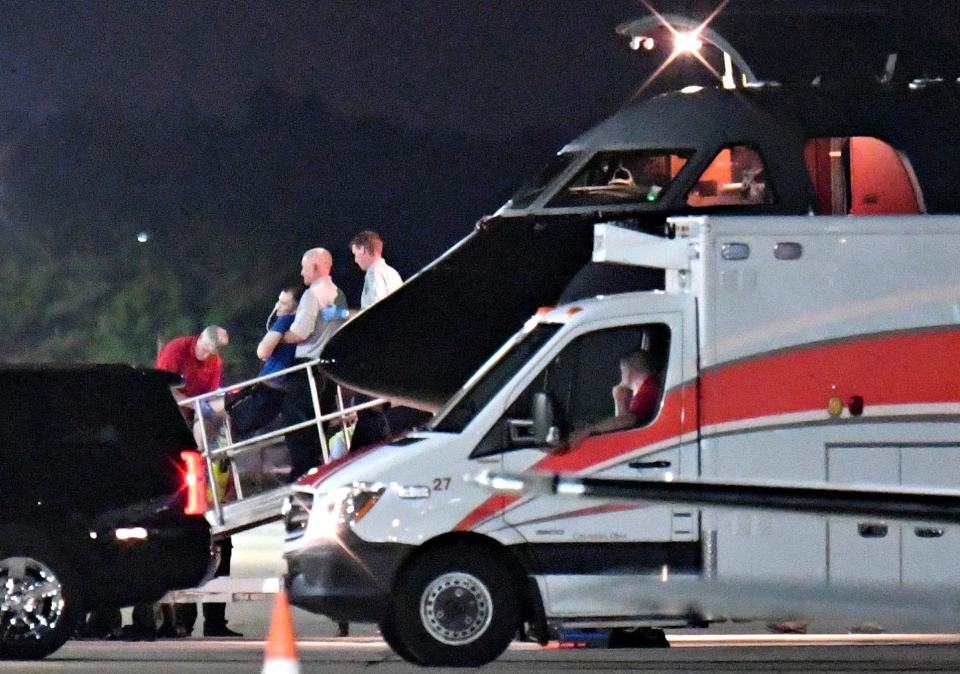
(861, 175)
(735, 177)
(527, 194)
(623, 177)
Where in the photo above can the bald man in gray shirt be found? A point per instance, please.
(318, 316)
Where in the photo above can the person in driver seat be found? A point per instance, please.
(635, 399)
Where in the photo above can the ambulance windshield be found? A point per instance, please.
(454, 419)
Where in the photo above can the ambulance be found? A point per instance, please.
(786, 258)
(798, 349)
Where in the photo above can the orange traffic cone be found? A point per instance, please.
(280, 656)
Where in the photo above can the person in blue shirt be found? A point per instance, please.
(263, 403)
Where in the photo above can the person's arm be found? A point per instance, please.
(607, 425)
(630, 409)
(622, 418)
(305, 320)
(269, 342)
(617, 423)
(290, 337)
(379, 285)
(170, 359)
(274, 337)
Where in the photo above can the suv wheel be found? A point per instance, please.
(39, 596)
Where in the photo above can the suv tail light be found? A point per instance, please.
(194, 483)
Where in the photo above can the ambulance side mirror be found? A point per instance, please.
(546, 426)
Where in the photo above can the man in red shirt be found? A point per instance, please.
(635, 399)
(638, 392)
(196, 359)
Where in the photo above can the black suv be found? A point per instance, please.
(102, 499)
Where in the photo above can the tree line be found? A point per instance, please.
(226, 206)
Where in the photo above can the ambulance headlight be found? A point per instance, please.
(342, 508)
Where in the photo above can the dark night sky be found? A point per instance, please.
(464, 100)
(482, 67)
(460, 101)
(485, 72)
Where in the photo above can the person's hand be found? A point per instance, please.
(348, 419)
(621, 395)
(206, 409)
(575, 438)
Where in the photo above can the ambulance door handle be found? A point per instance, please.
(649, 465)
(928, 532)
(872, 529)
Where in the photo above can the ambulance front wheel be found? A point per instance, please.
(456, 606)
(388, 630)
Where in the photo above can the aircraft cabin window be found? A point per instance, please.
(861, 175)
(623, 177)
(735, 177)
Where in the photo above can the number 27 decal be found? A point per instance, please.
(441, 483)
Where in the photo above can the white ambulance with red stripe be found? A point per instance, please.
(789, 348)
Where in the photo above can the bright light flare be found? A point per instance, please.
(687, 43)
(679, 40)
(324, 527)
(326, 521)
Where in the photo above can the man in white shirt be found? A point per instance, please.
(381, 278)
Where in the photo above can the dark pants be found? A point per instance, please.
(215, 613)
(304, 445)
(184, 616)
(256, 410)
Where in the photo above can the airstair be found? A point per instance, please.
(256, 467)
(257, 470)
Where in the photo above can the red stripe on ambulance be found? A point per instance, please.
(486, 510)
(899, 368)
(891, 369)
